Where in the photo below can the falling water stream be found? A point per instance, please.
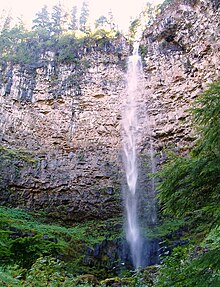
(130, 136)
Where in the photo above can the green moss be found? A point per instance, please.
(24, 238)
(11, 153)
(166, 227)
(143, 51)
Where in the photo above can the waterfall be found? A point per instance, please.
(130, 137)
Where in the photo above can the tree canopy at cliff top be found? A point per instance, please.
(97, 8)
(59, 30)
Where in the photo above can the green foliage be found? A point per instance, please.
(189, 190)
(47, 271)
(134, 27)
(74, 21)
(20, 242)
(166, 227)
(165, 4)
(195, 181)
(26, 48)
(24, 239)
(58, 19)
(42, 21)
(171, 270)
(10, 276)
(190, 267)
(206, 115)
(101, 22)
(68, 46)
(143, 51)
(20, 46)
(83, 25)
(25, 250)
(33, 253)
(191, 186)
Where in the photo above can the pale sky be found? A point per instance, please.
(123, 10)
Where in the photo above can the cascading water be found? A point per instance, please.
(130, 136)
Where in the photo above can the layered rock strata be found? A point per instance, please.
(69, 122)
(182, 58)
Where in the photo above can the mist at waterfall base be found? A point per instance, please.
(142, 250)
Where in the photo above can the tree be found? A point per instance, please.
(5, 19)
(42, 23)
(74, 20)
(5, 39)
(111, 20)
(58, 19)
(189, 189)
(195, 180)
(149, 13)
(84, 16)
(11, 39)
(101, 22)
(133, 28)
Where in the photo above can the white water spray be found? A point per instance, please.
(130, 136)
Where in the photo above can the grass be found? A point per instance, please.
(90, 232)
(24, 238)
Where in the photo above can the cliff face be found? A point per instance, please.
(66, 118)
(182, 58)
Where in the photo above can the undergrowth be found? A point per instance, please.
(24, 239)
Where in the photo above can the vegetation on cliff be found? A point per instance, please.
(66, 36)
(189, 190)
(34, 253)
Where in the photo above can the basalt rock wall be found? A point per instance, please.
(65, 118)
(182, 58)
(60, 134)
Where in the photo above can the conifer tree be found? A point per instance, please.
(42, 19)
(189, 189)
(5, 34)
(74, 20)
(193, 182)
(84, 16)
(101, 22)
(111, 20)
(58, 19)
(5, 21)
(42, 23)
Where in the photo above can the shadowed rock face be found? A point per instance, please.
(68, 118)
(114, 255)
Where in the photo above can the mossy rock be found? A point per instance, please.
(87, 278)
(117, 281)
(149, 274)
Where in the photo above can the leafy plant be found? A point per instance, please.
(24, 239)
(47, 271)
(189, 190)
(190, 266)
(10, 276)
(195, 181)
